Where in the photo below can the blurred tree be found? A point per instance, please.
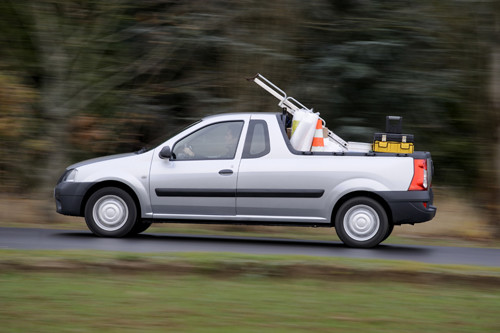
(82, 65)
(490, 119)
(495, 93)
(379, 58)
(19, 147)
(73, 52)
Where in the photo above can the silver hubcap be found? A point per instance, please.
(361, 222)
(110, 212)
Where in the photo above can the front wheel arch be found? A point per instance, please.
(104, 184)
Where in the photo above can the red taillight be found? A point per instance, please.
(419, 181)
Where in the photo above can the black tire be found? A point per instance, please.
(110, 212)
(138, 228)
(361, 222)
(389, 232)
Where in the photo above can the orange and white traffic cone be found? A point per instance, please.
(318, 144)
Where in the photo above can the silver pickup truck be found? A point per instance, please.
(241, 169)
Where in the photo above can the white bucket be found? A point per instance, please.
(304, 132)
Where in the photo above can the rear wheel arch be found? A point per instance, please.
(368, 194)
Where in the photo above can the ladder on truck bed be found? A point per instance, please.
(291, 105)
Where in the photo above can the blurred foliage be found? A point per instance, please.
(85, 78)
(18, 144)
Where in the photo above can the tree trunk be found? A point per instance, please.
(494, 91)
(489, 184)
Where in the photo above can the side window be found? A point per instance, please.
(257, 141)
(216, 141)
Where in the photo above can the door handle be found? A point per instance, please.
(226, 172)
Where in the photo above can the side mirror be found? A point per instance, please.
(165, 152)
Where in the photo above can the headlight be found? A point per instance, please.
(68, 176)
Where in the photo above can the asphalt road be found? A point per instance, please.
(47, 239)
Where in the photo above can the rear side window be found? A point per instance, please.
(257, 141)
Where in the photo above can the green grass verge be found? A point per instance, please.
(233, 264)
(155, 303)
(94, 291)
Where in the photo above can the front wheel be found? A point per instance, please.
(138, 228)
(110, 212)
(361, 222)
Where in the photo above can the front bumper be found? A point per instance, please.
(69, 197)
(408, 207)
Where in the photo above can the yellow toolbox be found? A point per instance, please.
(393, 141)
(393, 147)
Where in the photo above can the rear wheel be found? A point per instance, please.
(111, 212)
(361, 222)
(389, 232)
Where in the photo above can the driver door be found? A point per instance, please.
(201, 177)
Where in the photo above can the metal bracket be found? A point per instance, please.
(290, 103)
